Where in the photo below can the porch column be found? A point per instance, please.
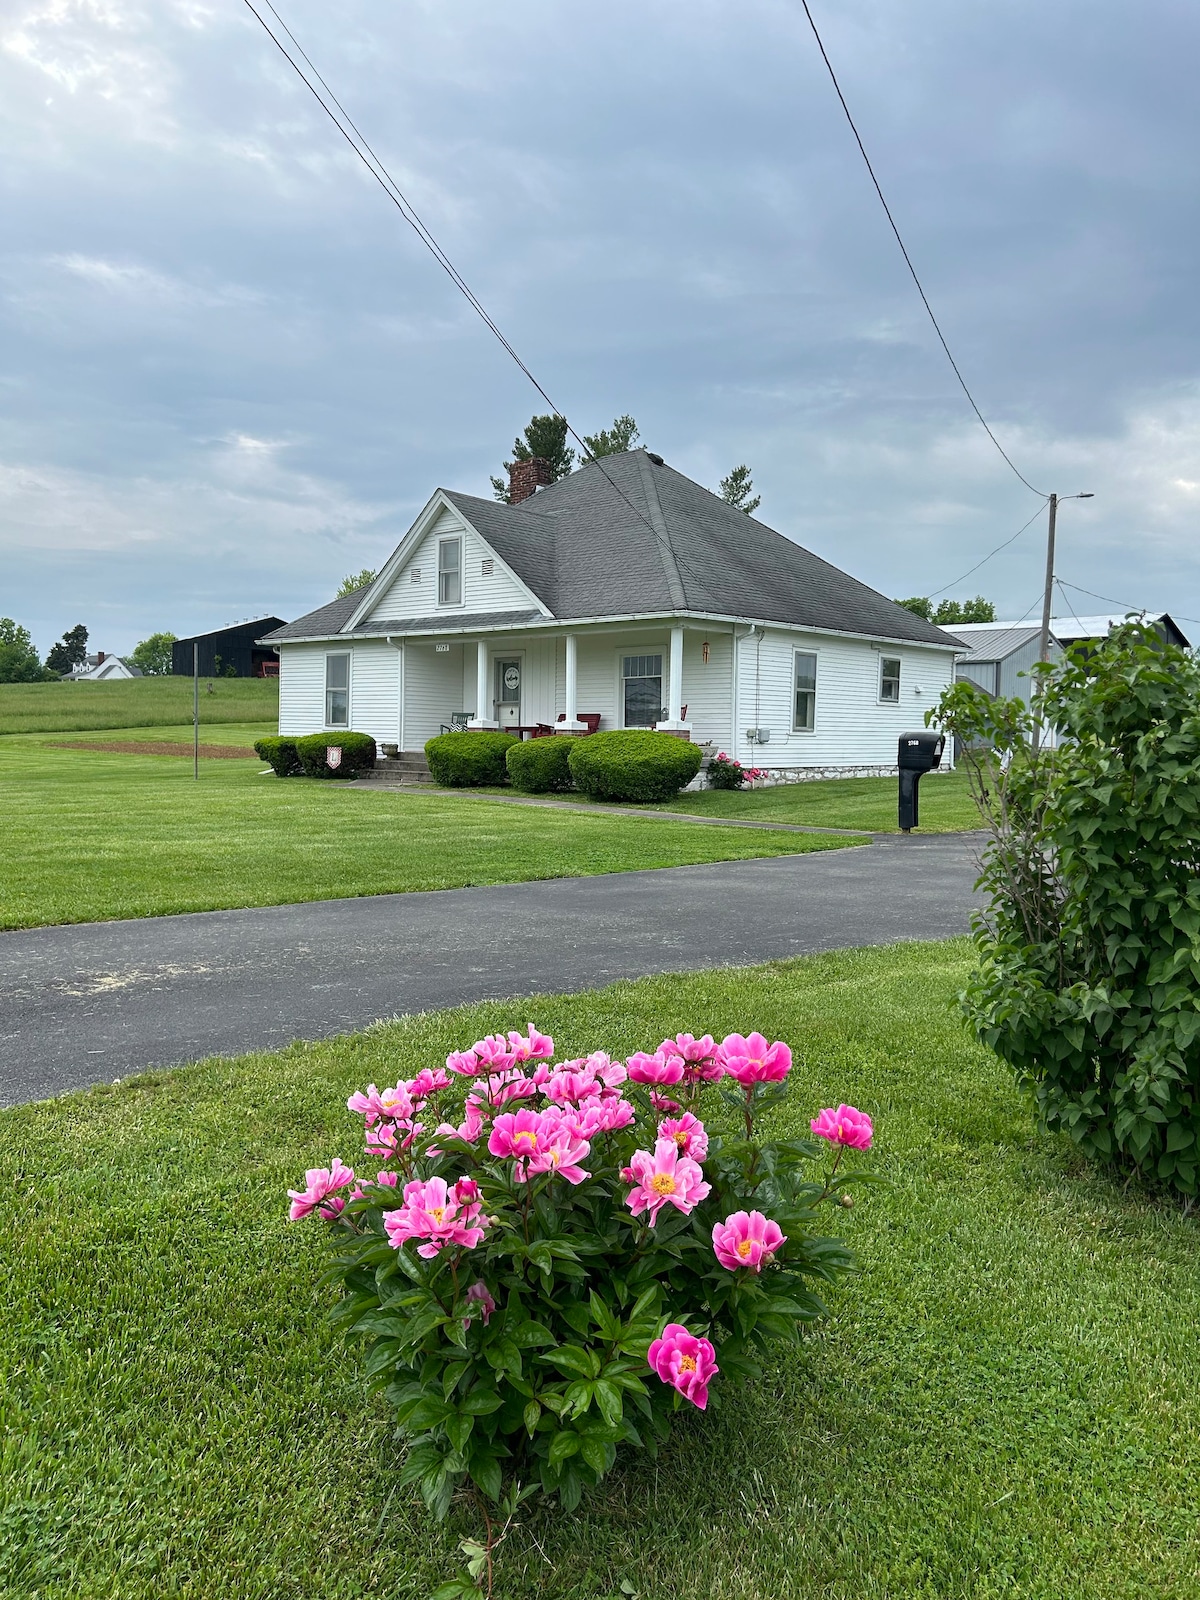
(482, 700)
(674, 722)
(572, 723)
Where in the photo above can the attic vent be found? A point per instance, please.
(416, 574)
(488, 567)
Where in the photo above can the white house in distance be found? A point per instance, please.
(102, 668)
(623, 596)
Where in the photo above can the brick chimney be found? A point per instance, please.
(526, 477)
(100, 657)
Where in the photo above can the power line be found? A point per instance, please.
(387, 183)
(1125, 606)
(908, 259)
(988, 557)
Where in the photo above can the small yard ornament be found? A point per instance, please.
(333, 757)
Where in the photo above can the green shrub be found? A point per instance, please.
(633, 764)
(540, 766)
(280, 755)
(358, 754)
(469, 759)
(1090, 942)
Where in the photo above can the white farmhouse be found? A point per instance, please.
(623, 596)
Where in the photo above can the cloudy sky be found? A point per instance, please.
(229, 374)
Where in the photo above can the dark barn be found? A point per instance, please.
(229, 652)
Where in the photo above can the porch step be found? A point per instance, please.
(410, 766)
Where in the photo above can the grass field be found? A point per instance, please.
(135, 703)
(89, 836)
(1006, 1402)
(867, 803)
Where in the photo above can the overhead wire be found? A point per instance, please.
(1012, 540)
(387, 183)
(908, 259)
(1108, 599)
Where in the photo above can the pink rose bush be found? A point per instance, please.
(554, 1257)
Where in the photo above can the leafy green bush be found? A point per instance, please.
(358, 754)
(280, 755)
(469, 759)
(1090, 943)
(540, 766)
(633, 764)
(552, 1261)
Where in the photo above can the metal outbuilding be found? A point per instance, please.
(235, 647)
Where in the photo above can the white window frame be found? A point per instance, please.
(884, 699)
(816, 661)
(660, 650)
(330, 689)
(444, 544)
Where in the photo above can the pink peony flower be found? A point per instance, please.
(561, 1153)
(752, 1060)
(396, 1104)
(601, 1116)
(464, 1062)
(661, 1067)
(428, 1081)
(573, 1082)
(746, 1239)
(320, 1186)
(367, 1103)
(531, 1045)
(844, 1126)
(660, 1102)
(684, 1361)
(517, 1133)
(699, 1056)
(667, 1175)
(431, 1212)
(480, 1292)
(384, 1179)
(689, 1134)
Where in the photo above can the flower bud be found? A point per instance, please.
(846, 1200)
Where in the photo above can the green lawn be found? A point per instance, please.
(868, 803)
(135, 703)
(1006, 1403)
(89, 836)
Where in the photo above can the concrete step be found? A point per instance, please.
(410, 766)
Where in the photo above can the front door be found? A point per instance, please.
(508, 691)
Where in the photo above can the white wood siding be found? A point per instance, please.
(434, 688)
(302, 688)
(853, 728)
(706, 685)
(410, 596)
(374, 690)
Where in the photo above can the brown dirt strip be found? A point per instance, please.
(159, 747)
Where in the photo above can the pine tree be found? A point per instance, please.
(610, 441)
(737, 490)
(70, 652)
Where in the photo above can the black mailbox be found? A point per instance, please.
(918, 753)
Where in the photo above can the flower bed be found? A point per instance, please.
(727, 772)
(552, 1259)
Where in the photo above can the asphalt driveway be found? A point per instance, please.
(97, 1001)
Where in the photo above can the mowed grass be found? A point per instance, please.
(1006, 1401)
(135, 703)
(946, 805)
(91, 836)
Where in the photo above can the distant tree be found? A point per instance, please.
(153, 655)
(948, 612)
(70, 652)
(19, 661)
(610, 441)
(545, 437)
(356, 581)
(737, 490)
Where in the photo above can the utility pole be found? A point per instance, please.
(195, 711)
(1048, 597)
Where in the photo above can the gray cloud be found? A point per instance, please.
(232, 373)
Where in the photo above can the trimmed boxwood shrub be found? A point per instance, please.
(469, 759)
(280, 755)
(358, 754)
(633, 764)
(540, 766)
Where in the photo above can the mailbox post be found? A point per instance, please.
(918, 753)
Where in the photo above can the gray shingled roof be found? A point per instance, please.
(629, 536)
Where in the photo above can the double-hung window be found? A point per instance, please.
(643, 690)
(337, 691)
(449, 572)
(889, 679)
(804, 712)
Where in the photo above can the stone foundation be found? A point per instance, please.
(776, 775)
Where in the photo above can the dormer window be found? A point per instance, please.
(449, 572)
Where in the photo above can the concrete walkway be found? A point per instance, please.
(97, 1001)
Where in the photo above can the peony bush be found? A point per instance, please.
(547, 1261)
